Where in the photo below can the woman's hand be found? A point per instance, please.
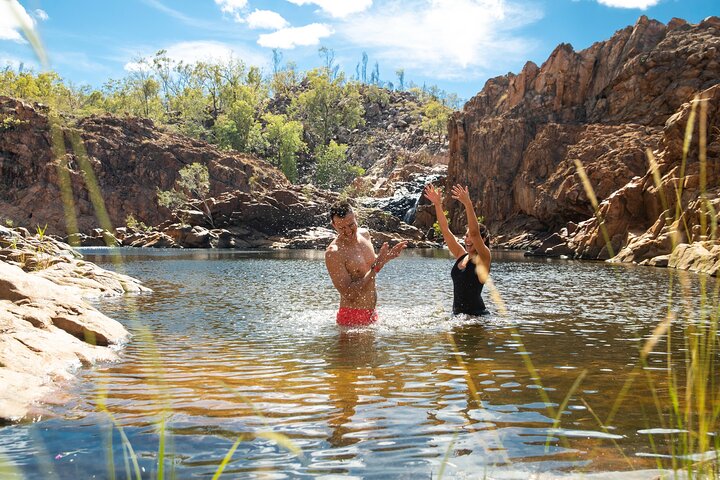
(461, 194)
(433, 194)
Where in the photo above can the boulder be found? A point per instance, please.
(701, 257)
(46, 331)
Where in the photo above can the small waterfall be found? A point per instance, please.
(403, 204)
(409, 216)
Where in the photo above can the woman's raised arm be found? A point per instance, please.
(462, 194)
(433, 194)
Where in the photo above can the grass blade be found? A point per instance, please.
(228, 457)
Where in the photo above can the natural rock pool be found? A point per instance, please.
(245, 343)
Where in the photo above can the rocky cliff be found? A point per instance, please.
(516, 142)
(129, 157)
(44, 160)
(391, 138)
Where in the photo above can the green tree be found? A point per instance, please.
(329, 65)
(149, 89)
(333, 170)
(375, 94)
(210, 77)
(189, 112)
(191, 189)
(163, 67)
(327, 106)
(243, 113)
(284, 140)
(285, 81)
(435, 119)
(233, 74)
(225, 133)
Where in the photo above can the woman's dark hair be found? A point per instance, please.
(485, 234)
(340, 209)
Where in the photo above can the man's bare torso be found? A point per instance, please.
(356, 258)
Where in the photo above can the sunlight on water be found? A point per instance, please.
(246, 342)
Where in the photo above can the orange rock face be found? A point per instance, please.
(129, 157)
(516, 142)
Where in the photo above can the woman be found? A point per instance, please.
(472, 266)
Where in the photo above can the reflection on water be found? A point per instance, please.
(245, 342)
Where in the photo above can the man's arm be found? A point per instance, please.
(340, 277)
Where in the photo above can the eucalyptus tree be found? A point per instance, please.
(163, 67)
(375, 76)
(191, 189)
(435, 117)
(276, 60)
(209, 76)
(327, 106)
(232, 73)
(333, 170)
(364, 66)
(331, 68)
(284, 141)
(285, 81)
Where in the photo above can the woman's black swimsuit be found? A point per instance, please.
(467, 289)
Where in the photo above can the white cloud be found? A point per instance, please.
(266, 19)
(12, 16)
(232, 7)
(40, 14)
(641, 4)
(337, 8)
(205, 51)
(295, 36)
(446, 37)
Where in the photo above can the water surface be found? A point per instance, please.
(235, 344)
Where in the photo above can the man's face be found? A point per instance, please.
(346, 227)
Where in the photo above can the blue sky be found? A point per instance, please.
(455, 44)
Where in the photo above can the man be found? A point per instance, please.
(353, 265)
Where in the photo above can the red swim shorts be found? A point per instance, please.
(356, 317)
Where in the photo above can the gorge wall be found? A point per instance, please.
(516, 142)
(129, 157)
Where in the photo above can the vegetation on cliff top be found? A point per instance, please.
(299, 121)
